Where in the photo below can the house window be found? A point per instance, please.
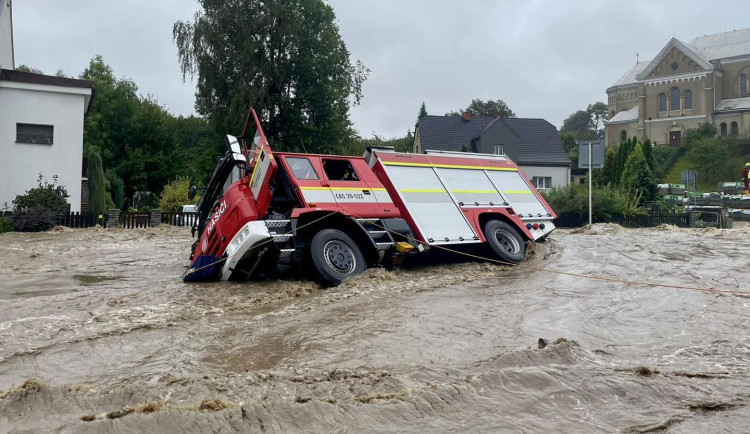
(662, 102)
(542, 182)
(743, 85)
(734, 129)
(499, 150)
(688, 100)
(723, 129)
(33, 133)
(674, 96)
(623, 136)
(339, 170)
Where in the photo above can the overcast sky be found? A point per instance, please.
(545, 59)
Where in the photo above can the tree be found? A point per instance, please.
(26, 68)
(97, 188)
(637, 177)
(284, 57)
(37, 210)
(175, 195)
(586, 124)
(477, 107)
(116, 188)
(710, 154)
(422, 112)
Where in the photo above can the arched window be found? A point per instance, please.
(662, 102)
(623, 136)
(743, 85)
(688, 100)
(674, 96)
(723, 129)
(735, 130)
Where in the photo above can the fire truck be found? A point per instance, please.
(337, 215)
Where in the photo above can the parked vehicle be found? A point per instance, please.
(338, 215)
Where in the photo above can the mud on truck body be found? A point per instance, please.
(338, 215)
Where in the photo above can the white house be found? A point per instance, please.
(41, 124)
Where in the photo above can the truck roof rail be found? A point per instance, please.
(369, 153)
(501, 157)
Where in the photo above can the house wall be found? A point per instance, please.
(6, 37)
(21, 163)
(499, 134)
(560, 175)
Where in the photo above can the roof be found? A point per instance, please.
(629, 77)
(723, 45)
(734, 104)
(50, 80)
(625, 116)
(539, 141)
(450, 133)
(703, 50)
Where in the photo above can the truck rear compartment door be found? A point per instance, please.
(517, 192)
(427, 200)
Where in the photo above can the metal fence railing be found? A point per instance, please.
(573, 220)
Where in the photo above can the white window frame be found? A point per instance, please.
(499, 150)
(542, 182)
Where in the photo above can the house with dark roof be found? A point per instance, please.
(685, 85)
(533, 144)
(41, 125)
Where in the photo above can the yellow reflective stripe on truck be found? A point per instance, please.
(343, 188)
(449, 166)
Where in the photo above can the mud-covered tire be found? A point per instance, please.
(505, 241)
(335, 257)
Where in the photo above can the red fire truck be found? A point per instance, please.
(337, 215)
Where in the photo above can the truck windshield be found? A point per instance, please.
(301, 168)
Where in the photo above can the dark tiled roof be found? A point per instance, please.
(450, 133)
(539, 140)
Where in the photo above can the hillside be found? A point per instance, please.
(705, 185)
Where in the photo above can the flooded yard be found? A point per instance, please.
(98, 333)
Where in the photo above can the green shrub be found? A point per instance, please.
(574, 199)
(5, 225)
(46, 196)
(116, 188)
(175, 195)
(97, 188)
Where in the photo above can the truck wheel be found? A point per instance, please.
(505, 241)
(335, 256)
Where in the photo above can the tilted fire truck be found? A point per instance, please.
(338, 215)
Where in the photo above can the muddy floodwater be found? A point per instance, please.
(98, 333)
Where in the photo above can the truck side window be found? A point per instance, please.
(339, 170)
(301, 168)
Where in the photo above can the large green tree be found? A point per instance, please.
(286, 58)
(422, 112)
(490, 108)
(637, 177)
(586, 124)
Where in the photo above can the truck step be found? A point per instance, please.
(276, 224)
(285, 253)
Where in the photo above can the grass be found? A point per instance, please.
(707, 185)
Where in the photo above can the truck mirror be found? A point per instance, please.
(192, 192)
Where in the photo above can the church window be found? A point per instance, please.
(623, 136)
(688, 100)
(743, 85)
(662, 102)
(674, 96)
(723, 129)
(735, 130)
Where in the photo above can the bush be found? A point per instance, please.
(46, 196)
(34, 220)
(97, 188)
(574, 199)
(175, 195)
(5, 225)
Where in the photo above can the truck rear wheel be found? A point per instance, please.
(505, 241)
(335, 256)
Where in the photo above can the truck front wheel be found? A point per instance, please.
(335, 256)
(505, 241)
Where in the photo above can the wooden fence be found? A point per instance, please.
(633, 221)
(78, 220)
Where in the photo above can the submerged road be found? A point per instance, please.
(99, 334)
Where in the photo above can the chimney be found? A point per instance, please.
(467, 116)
